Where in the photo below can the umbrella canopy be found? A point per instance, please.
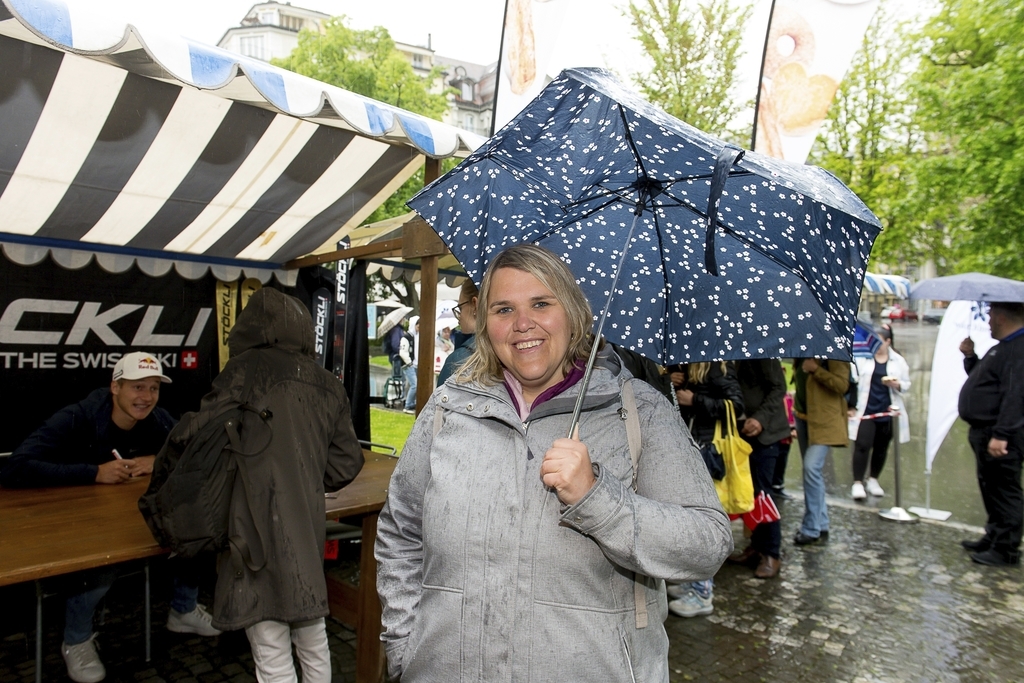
(392, 319)
(969, 287)
(887, 284)
(865, 342)
(789, 243)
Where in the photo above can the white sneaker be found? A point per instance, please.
(691, 605)
(874, 489)
(197, 621)
(677, 590)
(84, 665)
(857, 492)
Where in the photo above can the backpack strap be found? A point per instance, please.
(633, 435)
(438, 417)
(634, 438)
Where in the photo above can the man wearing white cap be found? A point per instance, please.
(107, 438)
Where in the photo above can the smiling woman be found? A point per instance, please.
(556, 537)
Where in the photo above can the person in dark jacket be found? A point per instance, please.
(992, 402)
(107, 438)
(764, 389)
(272, 582)
(464, 338)
(701, 391)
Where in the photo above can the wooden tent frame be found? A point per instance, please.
(418, 240)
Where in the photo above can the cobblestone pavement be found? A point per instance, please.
(878, 603)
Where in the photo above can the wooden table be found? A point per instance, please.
(52, 531)
(360, 503)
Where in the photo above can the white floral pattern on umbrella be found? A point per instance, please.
(791, 242)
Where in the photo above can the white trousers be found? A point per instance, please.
(272, 641)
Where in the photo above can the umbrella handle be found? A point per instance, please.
(723, 164)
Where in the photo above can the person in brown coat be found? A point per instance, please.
(820, 424)
(272, 582)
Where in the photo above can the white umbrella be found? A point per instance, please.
(392, 319)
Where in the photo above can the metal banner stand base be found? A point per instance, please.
(926, 511)
(896, 513)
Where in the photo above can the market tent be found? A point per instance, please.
(157, 146)
(127, 155)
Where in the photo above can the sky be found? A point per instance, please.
(469, 30)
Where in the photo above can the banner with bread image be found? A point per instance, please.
(809, 48)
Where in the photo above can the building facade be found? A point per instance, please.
(270, 30)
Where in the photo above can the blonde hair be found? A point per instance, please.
(483, 366)
(468, 290)
(698, 372)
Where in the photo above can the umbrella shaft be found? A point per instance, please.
(600, 327)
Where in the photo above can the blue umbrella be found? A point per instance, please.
(969, 287)
(619, 188)
(865, 342)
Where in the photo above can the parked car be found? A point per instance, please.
(933, 315)
(897, 312)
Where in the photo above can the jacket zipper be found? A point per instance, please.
(629, 660)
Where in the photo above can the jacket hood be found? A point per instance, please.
(272, 319)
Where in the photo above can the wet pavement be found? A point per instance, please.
(878, 602)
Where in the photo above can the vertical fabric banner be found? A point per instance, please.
(529, 42)
(322, 300)
(962, 319)
(357, 351)
(249, 287)
(809, 48)
(340, 306)
(227, 310)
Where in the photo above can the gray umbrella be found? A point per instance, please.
(969, 287)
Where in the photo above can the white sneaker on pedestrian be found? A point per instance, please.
(677, 590)
(409, 411)
(691, 605)
(874, 489)
(857, 492)
(84, 665)
(197, 621)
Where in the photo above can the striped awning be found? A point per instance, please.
(887, 284)
(159, 146)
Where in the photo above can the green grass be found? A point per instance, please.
(389, 427)
(382, 361)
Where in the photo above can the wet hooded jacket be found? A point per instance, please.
(485, 575)
(313, 450)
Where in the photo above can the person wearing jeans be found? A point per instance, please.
(820, 404)
(109, 438)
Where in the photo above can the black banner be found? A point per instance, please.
(62, 331)
(321, 312)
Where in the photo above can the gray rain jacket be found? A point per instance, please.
(485, 576)
(314, 449)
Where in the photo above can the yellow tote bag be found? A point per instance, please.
(736, 488)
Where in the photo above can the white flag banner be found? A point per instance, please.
(543, 37)
(809, 48)
(962, 319)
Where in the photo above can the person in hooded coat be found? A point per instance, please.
(276, 590)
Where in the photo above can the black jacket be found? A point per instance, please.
(993, 395)
(709, 399)
(70, 446)
(764, 390)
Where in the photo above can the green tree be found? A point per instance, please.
(694, 53)
(970, 98)
(870, 138)
(365, 62)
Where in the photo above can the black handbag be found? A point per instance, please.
(713, 460)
